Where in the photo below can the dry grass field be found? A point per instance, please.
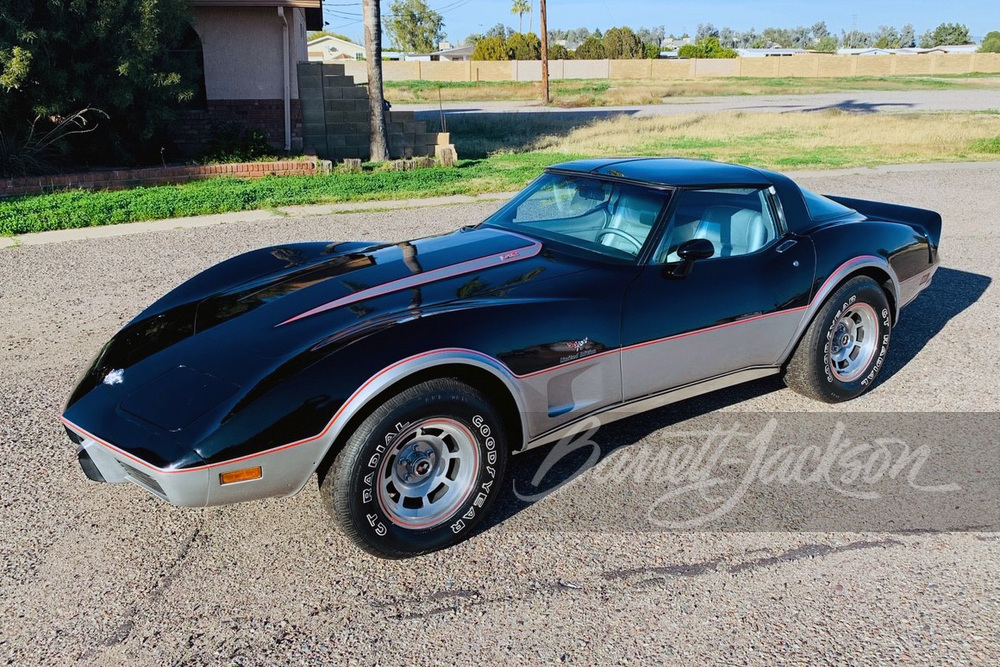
(823, 139)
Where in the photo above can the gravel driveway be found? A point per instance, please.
(106, 574)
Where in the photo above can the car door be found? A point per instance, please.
(737, 309)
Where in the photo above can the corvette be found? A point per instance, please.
(406, 374)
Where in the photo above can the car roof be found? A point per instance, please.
(676, 172)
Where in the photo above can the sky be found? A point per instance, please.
(463, 17)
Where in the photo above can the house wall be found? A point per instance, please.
(244, 58)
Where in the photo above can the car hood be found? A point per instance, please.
(273, 304)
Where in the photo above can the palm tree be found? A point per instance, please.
(520, 7)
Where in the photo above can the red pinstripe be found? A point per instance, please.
(487, 357)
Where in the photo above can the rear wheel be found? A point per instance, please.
(419, 472)
(844, 348)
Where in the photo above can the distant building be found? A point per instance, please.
(768, 53)
(868, 51)
(674, 43)
(452, 55)
(330, 49)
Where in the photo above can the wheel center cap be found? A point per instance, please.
(415, 462)
(845, 341)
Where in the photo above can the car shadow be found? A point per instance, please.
(951, 293)
(478, 134)
(849, 106)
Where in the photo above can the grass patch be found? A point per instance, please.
(75, 209)
(988, 145)
(505, 151)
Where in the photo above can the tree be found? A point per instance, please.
(827, 44)
(379, 144)
(621, 43)
(887, 37)
(524, 46)
(558, 52)
(520, 7)
(501, 31)
(592, 48)
(946, 34)
(751, 40)
(857, 39)
(907, 37)
(652, 35)
(819, 30)
(651, 51)
(707, 47)
(414, 26)
(705, 30)
(316, 34)
(801, 37)
(136, 60)
(780, 37)
(728, 37)
(491, 48)
(991, 43)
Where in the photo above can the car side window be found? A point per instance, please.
(738, 221)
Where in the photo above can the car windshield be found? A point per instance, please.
(613, 219)
(821, 208)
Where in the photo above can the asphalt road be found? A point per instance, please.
(105, 574)
(864, 101)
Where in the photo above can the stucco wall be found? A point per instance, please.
(243, 51)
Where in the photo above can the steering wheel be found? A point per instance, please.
(625, 235)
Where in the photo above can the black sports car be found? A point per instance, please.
(406, 373)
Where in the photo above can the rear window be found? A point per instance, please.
(821, 208)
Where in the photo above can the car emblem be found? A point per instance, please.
(577, 345)
(117, 376)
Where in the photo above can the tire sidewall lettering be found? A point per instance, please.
(381, 527)
(884, 331)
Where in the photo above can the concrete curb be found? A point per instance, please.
(63, 235)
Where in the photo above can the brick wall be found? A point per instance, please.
(127, 178)
(192, 129)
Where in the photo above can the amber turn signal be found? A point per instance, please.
(244, 475)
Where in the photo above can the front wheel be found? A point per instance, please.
(420, 472)
(844, 348)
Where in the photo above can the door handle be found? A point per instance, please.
(785, 245)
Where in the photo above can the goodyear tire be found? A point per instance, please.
(420, 472)
(844, 348)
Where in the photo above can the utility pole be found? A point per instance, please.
(376, 95)
(545, 52)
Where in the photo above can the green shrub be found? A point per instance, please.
(990, 43)
(492, 48)
(233, 142)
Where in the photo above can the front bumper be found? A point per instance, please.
(285, 470)
(188, 488)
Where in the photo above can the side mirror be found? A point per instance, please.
(690, 252)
